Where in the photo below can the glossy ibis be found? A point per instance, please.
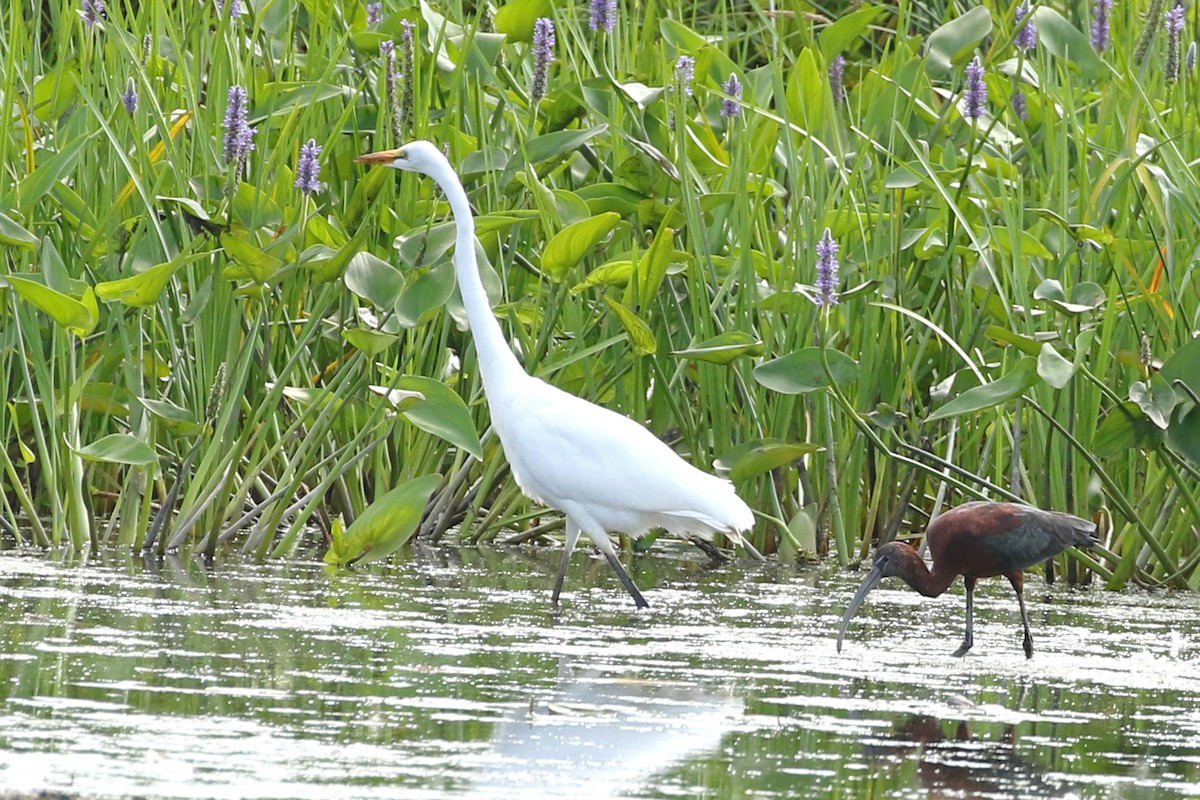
(977, 540)
(604, 471)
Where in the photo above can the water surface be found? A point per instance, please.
(447, 674)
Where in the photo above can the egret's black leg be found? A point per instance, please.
(627, 581)
(568, 548)
(969, 639)
(1017, 580)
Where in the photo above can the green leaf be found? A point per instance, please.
(1184, 365)
(639, 332)
(806, 91)
(52, 167)
(1066, 41)
(652, 266)
(724, 348)
(802, 371)
(601, 197)
(990, 395)
(1085, 296)
(119, 448)
(442, 412)
(143, 289)
(1155, 398)
(959, 34)
(568, 247)
(178, 420)
(374, 280)
(515, 19)
(558, 143)
(384, 526)
(759, 456)
(425, 295)
(370, 342)
(254, 264)
(1053, 368)
(1183, 435)
(841, 34)
(78, 316)
(14, 234)
(614, 273)
(1125, 428)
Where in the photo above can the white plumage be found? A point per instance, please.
(604, 471)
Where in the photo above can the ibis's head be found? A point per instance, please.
(420, 156)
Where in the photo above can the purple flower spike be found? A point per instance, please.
(730, 108)
(239, 136)
(374, 13)
(1176, 18)
(93, 12)
(543, 54)
(837, 79)
(130, 98)
(827, 270)
(685, 73)
(1020, 104)
(308, 170)
(1101, 26)
(603, 15)
(975, 97)
(1027, 36)
(236, 9)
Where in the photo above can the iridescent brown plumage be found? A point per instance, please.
(977, 540)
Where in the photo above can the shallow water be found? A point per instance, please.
(447, 674)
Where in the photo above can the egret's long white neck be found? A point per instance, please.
(497, 364)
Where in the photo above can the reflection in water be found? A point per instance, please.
(596, 737)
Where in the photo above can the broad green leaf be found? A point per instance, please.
(614, 273)
(756, 457)
(78, 316)
(515, 19)
(1053, 368)
(254, 264)
(374, 280)
(807, 90)
(639, 332)
(1084, 297)
(442, 412)
(426, 294)
(370, 342)
(14, 234)
(178, 420)
(1125, 428)
(52, 167)
(1184, 365)
(680, 36)
(959, 34)
(1183, 435)
(1155, 398)
(558, 143)
(1066, 41)
(724, 348)
(602, 197)
(119, 448)
(990, 395)
(384, 526)
(652, 266)
(802, 371)
(143, 289)
(1029, 244)
(841, 34)
(1029, 347)
(568, 247)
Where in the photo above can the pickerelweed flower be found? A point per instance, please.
(147, 49)
(1175, 20)
(837, 79)
(827, 271)
(308, 170)
(1154, 21)
(543, 54)
(374, 13)
(731, 108)
(975, 95)
(1020, 104)
(93, 12)
(1101, 25)
(1027, 35)
(239, 136)
(407, 64)
(130, 98)
(391, 80)
(685, 73)
(236, 9)
(603, 14)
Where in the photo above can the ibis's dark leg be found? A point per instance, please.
(568, 547)
(1017, 579)
(969, 639)
(627, 581)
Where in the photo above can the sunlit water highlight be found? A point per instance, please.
(448, 674)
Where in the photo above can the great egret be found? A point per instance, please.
(604, 471)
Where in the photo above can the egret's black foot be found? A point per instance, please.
(963, 648)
